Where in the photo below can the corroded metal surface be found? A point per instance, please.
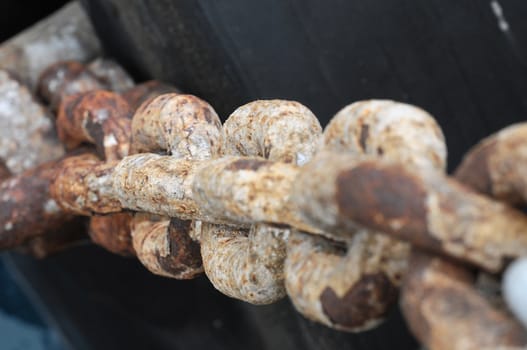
(245, 264)
(112, 232)
(326, 281)
(187, 128)
(425, 208)
(389, 130)
(278, 130)
(346, 286)
(166, 124)
(445, 311)
(497, 165)
(248, 264)
(99, 117)
(27, 208)
(164, 246)
(244, 190)
(334, 232)
(140, 93)
(83, 185)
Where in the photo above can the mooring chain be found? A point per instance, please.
(430, 302)
(30, 215)
(185, 127)
(268, 205)
(355, 287)
(247, 263)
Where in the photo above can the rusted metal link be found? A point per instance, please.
(349, 286)
(425, 208)
(198, 190)
(240, 191)
(189, 189)
(185, 127)
(49, 241)
(315, 267)
(497, 165)
(248, 263)
(98, 117)
(27, 209)
(164, 246)
(444, 310)
(388, 130)
(67, 78)
(113, 232)
(101, 118)
(83, 186)
(140, 93)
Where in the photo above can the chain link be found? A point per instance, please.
(269, 205)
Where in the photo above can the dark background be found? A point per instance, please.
(450, 57)
(17, 15)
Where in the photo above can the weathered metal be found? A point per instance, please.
(445, 311)
(186, 127)
(272, 206)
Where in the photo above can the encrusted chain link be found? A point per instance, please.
(269, 204)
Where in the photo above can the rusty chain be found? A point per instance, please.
(269, 205)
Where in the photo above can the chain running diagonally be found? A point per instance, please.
(268, 205)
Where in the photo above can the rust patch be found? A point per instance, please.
(364, 134)
(90, 116)
(474, 169)
(112, 232)
(367, 300)
(26, 208)
(387, 199)
(438, 293)
(246, 164)
(184, 253)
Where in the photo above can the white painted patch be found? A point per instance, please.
(515, 289)
(498, 12)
